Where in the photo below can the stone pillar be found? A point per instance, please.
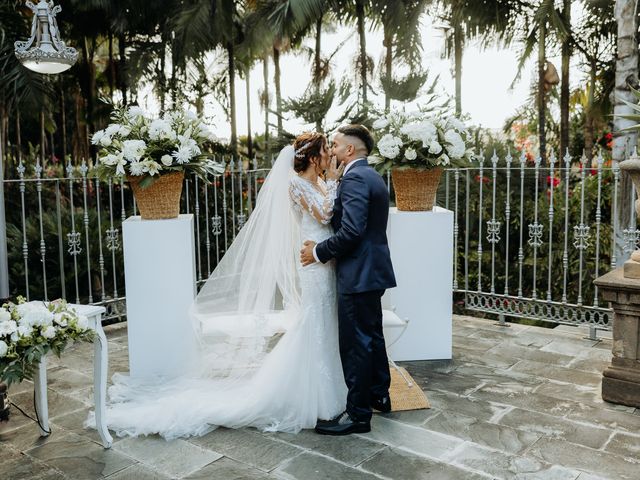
(621, 379)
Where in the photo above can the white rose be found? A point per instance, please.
(60, 319)
(410, 154)
(166, 160)
(380, 123)
(24, 331)
(4, 348)
(38, 316)
(4, 315)
(49, 332)
(8, 327)
(389, 146)
(444, 159)
(455, 148)
(434, 147)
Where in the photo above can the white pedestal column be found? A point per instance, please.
(421, 245)
(160, 277)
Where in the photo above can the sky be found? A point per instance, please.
(486, 78)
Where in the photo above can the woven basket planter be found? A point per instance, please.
(415, 188)
(161, 199)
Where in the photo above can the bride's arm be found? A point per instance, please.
(319, 206)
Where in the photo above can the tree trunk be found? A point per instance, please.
(624, 141)
(111, 71)
(589, 120)
(122, 65)
(232, 98)
(249, 136)
(388, 65)
(265, 79)
(541, 93)
(564, 87)
(317, 65)
(163, 77)
(363, 49)
(276, 64)
(18, 136)
(457, 47)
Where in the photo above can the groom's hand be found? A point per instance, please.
(306, 254)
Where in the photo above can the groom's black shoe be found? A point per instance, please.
(382, 404)
(343, 424)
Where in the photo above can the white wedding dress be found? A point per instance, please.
(269, 357)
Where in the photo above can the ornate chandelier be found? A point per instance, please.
(45, 52)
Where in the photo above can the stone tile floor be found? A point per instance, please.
(515, 403)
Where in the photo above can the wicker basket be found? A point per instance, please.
(161, 199)
(415, 188)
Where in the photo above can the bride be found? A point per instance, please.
(268, 352)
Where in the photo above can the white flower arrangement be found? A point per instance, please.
(28, 331)
(136, 144)
(417, 140)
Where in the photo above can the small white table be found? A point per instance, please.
(100, 368)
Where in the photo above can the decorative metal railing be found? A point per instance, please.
(528, 239)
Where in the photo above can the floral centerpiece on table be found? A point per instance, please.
(416, 146)
(154, 153)
(28, 331)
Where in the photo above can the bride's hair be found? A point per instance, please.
(307, 145)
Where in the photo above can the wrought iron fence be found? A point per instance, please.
(528, 239)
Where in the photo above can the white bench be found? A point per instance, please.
(100, 368)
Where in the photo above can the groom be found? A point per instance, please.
(364, 271)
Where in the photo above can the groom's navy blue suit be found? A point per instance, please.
(364, 271)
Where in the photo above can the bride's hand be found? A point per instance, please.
(334, 172)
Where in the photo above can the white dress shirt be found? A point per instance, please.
(346, 169)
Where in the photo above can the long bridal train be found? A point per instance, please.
(267, 335)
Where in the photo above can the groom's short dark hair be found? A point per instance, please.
(361, 132)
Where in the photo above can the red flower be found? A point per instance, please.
(483, 180)
(608, 136)
(556, 181)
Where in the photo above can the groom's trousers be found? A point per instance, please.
(362, 351)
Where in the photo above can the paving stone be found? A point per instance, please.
(59, 404)
(74, 422)
(533, 338)
(176, 458)
(25, 437)
(79, 458)
(560, 374)
(248, 446)
(624, 421)
(625, 445)
(415, 417)
(568, 346)
(479, 344)
(414, 439)
(308, 466)
(137, 472)
(449, 402)
(556, 427)
(501, 377)
(593, 360)
(400, 465)
(461, 385)
(589, 460)
(535, 354)
(65, 380)
(500, 437)
(505, 466)
(15, 466)
(227, 469)
(465, 355)
(349, 449)
(526, 399)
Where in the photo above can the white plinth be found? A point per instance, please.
(421, 245)
(160, 277)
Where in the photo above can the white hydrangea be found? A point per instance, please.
(161, 129)
(167, 160)
(38, 316)
(380, 123)
(4, 315)
(455, 144)
(410, 154)
(8, 327)
(23, 331)
(4, 348)
(49, 332)
(424, 131)
(133, 149)
(60, 319)
(389, 146)
(456, 124)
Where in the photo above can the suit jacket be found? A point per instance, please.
(359, 244)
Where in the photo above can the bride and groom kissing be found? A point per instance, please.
(295, 307)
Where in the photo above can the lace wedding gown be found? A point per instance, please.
(297, 382)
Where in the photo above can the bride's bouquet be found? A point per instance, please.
(28, 331)
(418, 140)
(136, 144)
